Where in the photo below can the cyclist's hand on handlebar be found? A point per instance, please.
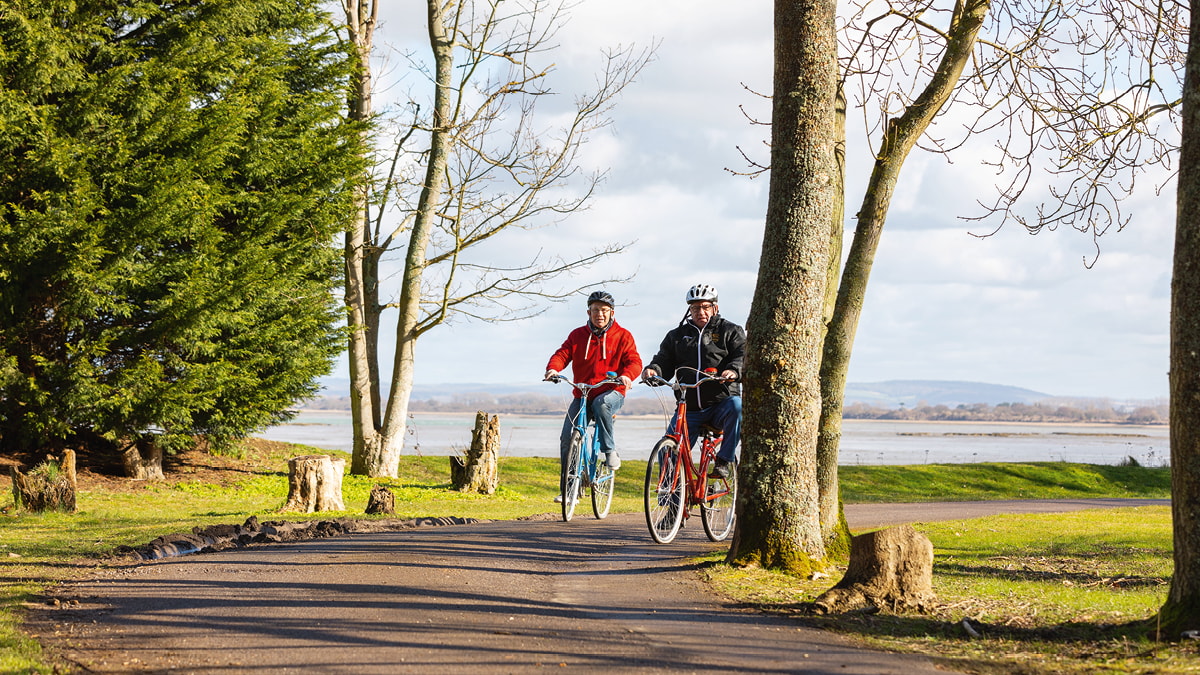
(626, 382)
(729, 376)
(551, 376)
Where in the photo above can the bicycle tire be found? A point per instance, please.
(570, 476)
(666, 491)
(718, 512)
(603, 485)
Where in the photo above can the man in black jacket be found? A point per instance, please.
(704, 340)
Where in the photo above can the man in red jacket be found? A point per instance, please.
(594, 349)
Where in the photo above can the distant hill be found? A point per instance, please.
(912, 393)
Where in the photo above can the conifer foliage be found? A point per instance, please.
(172, 179)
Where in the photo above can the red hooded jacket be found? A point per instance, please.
(591, 357)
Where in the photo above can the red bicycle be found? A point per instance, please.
(674, 484)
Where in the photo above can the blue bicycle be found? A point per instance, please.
(582, 469)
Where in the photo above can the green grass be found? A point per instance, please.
(38, 549)
(1069, 593)
(1025, 480)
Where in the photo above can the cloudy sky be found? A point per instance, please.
(1011, 309)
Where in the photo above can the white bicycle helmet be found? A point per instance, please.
(702, 293)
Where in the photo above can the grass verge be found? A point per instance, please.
(1068, 593)
(984, 481)
(39, 549)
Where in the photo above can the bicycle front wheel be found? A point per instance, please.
(571, 476)
(666, 485)
(720, 499)
(602, 488)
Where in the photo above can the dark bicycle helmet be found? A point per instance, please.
(601, 296)
(702, 293)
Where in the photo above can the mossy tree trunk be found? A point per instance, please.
(837, 533)
(1181, 612)
(777, 510)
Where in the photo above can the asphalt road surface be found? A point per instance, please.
(499, 597)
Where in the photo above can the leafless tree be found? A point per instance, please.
(1180, 614)
(470, 162)
(1073, 95)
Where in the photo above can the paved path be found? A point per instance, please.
(865, 516)
(500, 597)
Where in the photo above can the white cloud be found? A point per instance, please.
(1009, 309)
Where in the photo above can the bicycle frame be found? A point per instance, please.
(586, 428)
(582, 466)
(715, 496)
(710, 442)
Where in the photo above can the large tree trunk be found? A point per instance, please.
(379, 454)
(777, 510)
(143, 460)
(898, 140)
(361, 294)
(1181, 611)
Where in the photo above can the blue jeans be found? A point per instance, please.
(600, 411)
(726, 416)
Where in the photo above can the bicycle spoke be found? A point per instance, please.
(571, 480)
(717, 513)
(665, 487)
(603, 486)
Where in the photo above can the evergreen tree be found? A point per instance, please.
(172, 179)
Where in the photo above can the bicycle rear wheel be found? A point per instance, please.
(720, 499)
(666, 485)
(571, 477)
(602, 488)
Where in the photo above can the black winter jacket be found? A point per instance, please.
(721, 345)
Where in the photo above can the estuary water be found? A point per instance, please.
(863, 441)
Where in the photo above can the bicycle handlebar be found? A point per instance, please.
(702, 376)
(611, 378)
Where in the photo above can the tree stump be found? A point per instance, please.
(50, 486)
(381, 501)
(888, 568)
(315, 484)
(143, 460)
(477, 471)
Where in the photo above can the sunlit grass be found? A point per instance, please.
(1049, 593)
(37, 549)
(1024, 480)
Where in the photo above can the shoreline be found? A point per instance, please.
(651, 416)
